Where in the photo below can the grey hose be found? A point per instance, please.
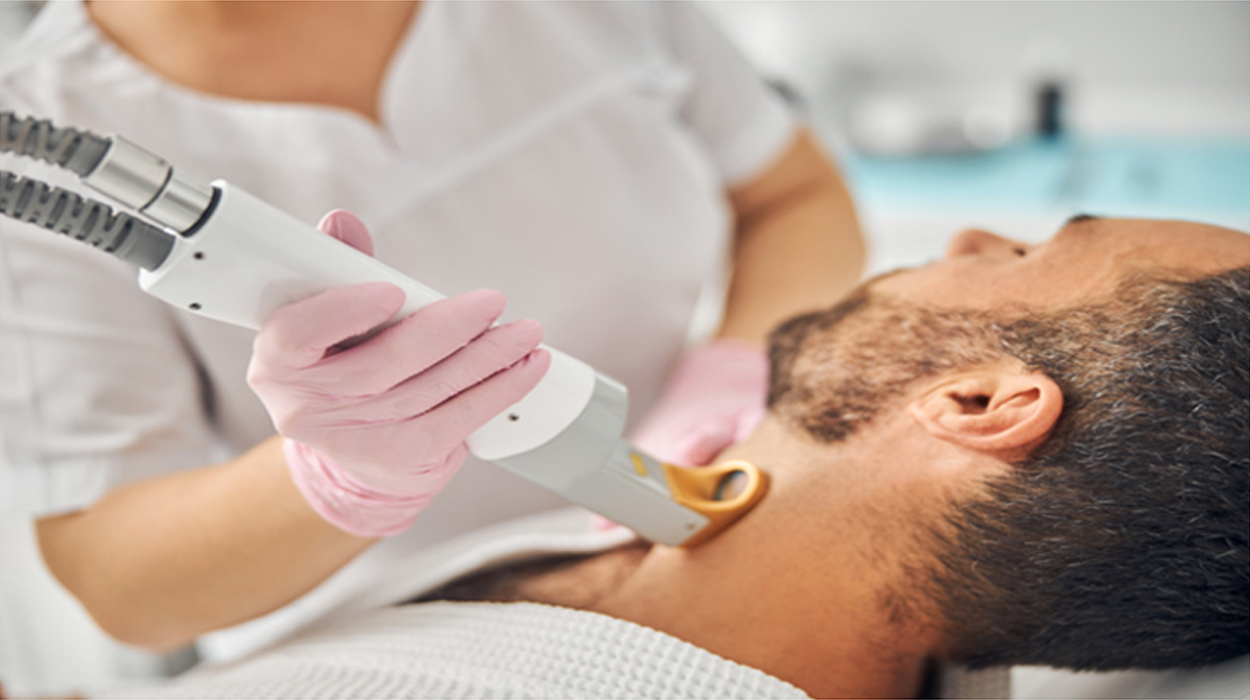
(74, 150)
(86, 220)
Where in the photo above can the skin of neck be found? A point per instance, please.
(331, 53)
(817, 584)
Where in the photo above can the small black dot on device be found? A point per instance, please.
(513, 417)
(198, 256)
(195, 306)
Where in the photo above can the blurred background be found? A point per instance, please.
(1013, 116)
(1010, 116)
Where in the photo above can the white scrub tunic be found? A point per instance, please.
(574, 156)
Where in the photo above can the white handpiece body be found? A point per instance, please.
(247, 258)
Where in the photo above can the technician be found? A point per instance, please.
(599, 164)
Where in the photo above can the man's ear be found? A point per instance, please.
(998, 410)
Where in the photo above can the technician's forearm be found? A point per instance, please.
(798, 247)
(161, 561)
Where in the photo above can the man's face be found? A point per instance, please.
(1083, 260)
(834, 370)
(1055, 559)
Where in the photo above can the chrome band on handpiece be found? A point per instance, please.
(180, 204)
(146, 182)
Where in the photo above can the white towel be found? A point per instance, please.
(479, 650)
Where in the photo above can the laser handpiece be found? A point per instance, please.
(225, 254)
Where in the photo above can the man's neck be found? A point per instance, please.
(790, 594)
(825, 646)
(815, 586)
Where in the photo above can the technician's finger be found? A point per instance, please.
(409, 347)
(443, 428)
(459, 417)
(298, 334)
(346, 227)
(494, 351)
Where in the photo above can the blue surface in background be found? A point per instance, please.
(1121, 176)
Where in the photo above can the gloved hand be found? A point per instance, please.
(375, 431)
(714, 398)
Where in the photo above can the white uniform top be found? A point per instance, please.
(572, 155)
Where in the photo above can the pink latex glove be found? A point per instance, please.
(375, 431)
(713, 399)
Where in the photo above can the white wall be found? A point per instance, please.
(1159, 66)
(1114, 43)
(1158, 69)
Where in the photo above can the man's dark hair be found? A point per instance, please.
(1122, 541)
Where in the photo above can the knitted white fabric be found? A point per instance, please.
(479, 650)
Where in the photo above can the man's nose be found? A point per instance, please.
(978, 242)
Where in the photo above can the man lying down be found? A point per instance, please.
(1021, 454)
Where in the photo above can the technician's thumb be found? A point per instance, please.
(344, 225)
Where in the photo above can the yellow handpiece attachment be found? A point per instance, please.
(721, 492)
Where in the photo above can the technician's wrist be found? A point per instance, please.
(343, 500)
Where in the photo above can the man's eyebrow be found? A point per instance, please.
(1079, 218)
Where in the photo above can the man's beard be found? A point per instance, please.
(832, 371)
